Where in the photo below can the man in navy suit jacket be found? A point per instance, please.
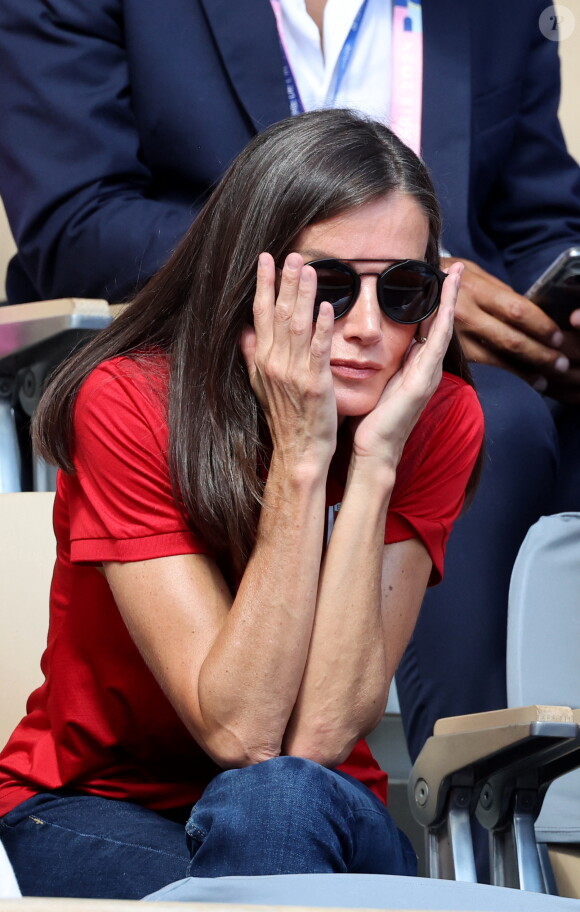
(118, 116)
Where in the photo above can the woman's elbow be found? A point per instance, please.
(326, 749)
(329, 745)
(234, 749)
(318, 753)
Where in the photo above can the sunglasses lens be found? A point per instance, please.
(335, 284)
(409, 292)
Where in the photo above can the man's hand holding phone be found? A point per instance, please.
(557, 292)
(500, 327)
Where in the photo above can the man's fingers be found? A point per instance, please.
(514, 310)
(483, 291)
(562, 386)
(571, 346)
(479, 354)
(499, 327)
(507, 341)
(525, 315)
(471, 268)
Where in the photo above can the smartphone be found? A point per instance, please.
(557, 291)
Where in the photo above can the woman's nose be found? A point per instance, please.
(364, 320)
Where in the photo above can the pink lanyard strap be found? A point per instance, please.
(407, 72)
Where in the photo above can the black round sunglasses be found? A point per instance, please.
(408, 291)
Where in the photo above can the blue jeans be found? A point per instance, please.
(283, 816)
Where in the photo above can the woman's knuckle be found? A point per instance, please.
(298, 327)
(283, 313)
(270, 369)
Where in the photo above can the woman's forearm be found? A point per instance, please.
(251, 675)
(368, 602)
(347, 674)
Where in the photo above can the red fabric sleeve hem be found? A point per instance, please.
(430, 532)
(93, 550)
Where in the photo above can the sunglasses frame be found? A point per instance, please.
(344, 266)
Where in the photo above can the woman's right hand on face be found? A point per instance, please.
(289, 363)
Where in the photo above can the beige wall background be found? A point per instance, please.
(7, 248)
(569, 114)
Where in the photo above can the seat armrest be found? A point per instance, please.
(466, 750)
(34, 339)
(499, 718)
(28, 331)
(59, 307)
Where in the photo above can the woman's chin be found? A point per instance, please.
(350, 404)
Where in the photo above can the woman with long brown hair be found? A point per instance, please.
(222, 635)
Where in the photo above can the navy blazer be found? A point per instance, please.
(117, 116)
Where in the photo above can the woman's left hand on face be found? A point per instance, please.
(383, 432)
(289, 363)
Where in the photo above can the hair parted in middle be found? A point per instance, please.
(298, 172)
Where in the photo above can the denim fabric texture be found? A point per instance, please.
(283, 816)
(65, 844)
(293, 817)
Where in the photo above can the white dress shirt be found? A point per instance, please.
(366, 85)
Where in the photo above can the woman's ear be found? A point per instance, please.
(419, 334)
(422, 329)
(248, 347)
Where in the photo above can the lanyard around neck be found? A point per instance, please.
(406, 63)
(346, 53)
(296, 106)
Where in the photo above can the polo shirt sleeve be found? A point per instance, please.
(435, 468)
(121, 503)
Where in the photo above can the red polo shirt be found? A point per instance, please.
(100, 723)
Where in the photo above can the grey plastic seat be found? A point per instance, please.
(543, 664)
(517, 770)
(496, 766)
(34, 339)
(362, 891)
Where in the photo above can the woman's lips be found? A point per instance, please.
(354, 370)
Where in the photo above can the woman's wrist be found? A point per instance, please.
(372, 473)
(298, 475)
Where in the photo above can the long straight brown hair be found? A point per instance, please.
(298, 172)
